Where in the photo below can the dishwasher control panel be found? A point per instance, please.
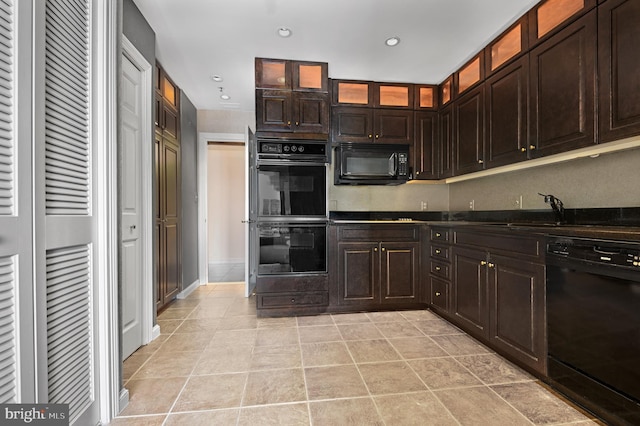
(596, 251)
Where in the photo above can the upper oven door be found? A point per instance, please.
(292, 191)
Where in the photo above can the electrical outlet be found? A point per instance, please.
(472, 205)
(518, 202)
(423, 205)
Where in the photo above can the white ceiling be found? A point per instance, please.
(196, 39)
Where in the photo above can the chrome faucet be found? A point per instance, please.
(556, 205)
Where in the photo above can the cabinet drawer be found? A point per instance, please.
(441, 252)
(440, 269)
(288, 300)
(440, 294)
(513, 243)
(298, 284)
(440, 234)
(378, 233)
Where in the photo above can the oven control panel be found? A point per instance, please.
(293, 150)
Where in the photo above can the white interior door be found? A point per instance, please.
(131, 246)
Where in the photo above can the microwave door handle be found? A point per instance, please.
(393, 164)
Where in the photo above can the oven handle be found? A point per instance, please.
(289, 163)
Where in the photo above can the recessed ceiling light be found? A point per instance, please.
(223, 95)
(392, 41)
(284, 32)
(216, 78)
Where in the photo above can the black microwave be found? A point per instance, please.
(371, 164)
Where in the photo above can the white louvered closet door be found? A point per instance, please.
(65, 206)
(12, 252)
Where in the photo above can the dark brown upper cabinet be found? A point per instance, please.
(550, 16)
(287, 111)
(471, 74)
(425, 97)
(393, 95)
(425, 152)
(166, 105)
(284, 74)
(468, 142)
(506, 108)
(446, 121)
(446, 91)
(563, 80)
(352, 93)
(292, 97)
(352, 124)
(619, 69)
(508, 46)
(372, 94)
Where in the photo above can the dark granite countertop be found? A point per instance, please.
(616, 224)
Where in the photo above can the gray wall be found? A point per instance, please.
(136, 28)
(610, 180)
(189, 166)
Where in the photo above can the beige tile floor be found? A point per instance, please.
(215, 363)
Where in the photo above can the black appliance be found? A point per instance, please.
(290, 199)
(371, 164)
(286, 248)
(593, 320)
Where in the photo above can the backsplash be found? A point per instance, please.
(610, 180)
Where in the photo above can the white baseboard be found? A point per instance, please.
(187, 291)
(123, 400)
(155, 332)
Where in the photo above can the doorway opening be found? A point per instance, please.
(225, 211)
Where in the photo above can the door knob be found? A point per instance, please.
(437, 293)
(483, 262)
(132, 227)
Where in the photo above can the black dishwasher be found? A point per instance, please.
(593, 321)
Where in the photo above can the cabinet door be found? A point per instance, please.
(171, 209)
(393, 95)
(358, 269)
(563, 78)
(352, 93)
(351, 124)
(469, 305)
(507, 114)
(425, 158)
(399, 272)
(446, 141)
(170, 120)
(393, 126)
(619, 69)
(310, 112)
(310, 76)
(469, 135)
(273, 73)
(273, 110)
(517, 310)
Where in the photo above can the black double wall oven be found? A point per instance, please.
(291, 202)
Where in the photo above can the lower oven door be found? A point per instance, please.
(292, 248)
(593, 318)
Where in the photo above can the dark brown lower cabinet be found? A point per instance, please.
(374, 271)
(498, 294)
(167, 153)
(469, 307)
(517, 307)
